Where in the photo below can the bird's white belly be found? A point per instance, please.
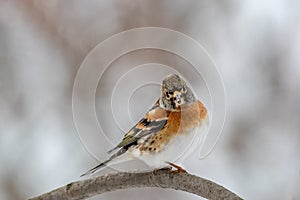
(178, 149)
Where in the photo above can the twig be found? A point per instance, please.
(124, 180)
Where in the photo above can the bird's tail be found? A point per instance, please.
(113, 149)
(91, 171)
(103, 164)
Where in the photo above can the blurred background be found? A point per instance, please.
(256, 45)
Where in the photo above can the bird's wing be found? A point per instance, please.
(154, 121)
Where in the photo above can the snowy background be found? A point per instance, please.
(256, 45)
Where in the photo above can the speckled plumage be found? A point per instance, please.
(171, 130)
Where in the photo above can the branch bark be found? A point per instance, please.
(123, 180)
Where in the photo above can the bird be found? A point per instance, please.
(171, 130)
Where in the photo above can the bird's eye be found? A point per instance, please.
(167, 94)
(184, 90)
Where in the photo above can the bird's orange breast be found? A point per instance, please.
(180, 122)
(187, 118)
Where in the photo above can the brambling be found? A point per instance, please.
(170, 131)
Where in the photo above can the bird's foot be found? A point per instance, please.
(178, 168)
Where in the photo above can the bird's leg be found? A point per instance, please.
(178, 168)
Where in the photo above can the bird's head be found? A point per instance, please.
(175, 93)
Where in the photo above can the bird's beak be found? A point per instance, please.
(177, 98)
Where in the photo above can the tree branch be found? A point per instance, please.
(124, 180)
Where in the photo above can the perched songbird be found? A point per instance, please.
(170, 131)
